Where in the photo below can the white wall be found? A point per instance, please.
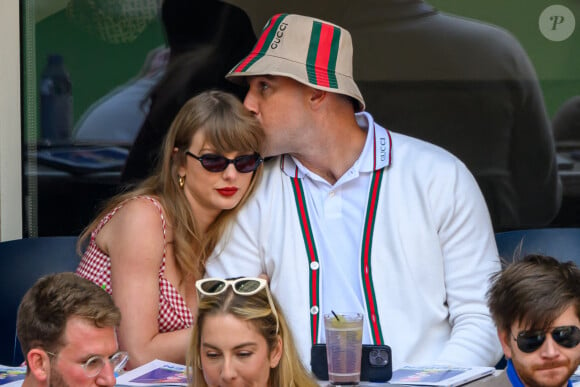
(10, 144)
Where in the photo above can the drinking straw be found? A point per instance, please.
(337, 319)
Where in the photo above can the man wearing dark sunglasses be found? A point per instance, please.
(535, 303)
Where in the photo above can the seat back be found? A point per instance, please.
(23, 262)
(560, 243)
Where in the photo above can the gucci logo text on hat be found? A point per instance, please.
(279, 36)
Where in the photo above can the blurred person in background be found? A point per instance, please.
(206, 38)
(117, 117)
(566, 122)
(469, 87)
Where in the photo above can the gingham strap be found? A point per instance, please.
(95, 266)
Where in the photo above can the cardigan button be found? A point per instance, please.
(314, 265)
(314, 310)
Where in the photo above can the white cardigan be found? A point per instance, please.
(433, 252)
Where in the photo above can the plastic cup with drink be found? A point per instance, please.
(343, 347)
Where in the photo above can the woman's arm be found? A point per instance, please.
(134, 240)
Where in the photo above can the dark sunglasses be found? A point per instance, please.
(218, 163)
(566, 336)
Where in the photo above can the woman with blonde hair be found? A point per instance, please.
(149, 245)
(241, 337)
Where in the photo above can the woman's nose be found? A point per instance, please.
(230, 172)
(228, 370)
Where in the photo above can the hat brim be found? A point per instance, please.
(272, 65)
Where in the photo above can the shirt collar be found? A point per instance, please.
(376, 154)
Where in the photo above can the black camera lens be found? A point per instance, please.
(378, 358)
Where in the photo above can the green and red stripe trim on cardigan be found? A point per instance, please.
(312, 255)
(371, 303)
(366, 268)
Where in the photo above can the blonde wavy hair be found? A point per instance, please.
(255, 309)
(229, 127)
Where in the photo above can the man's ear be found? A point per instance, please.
(317, 97)
(505, 339)
(39, 364)
(276, 353)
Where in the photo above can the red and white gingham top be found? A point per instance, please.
(96, 266)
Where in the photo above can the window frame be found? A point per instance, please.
(10, 122)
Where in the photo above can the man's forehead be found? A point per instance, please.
(544, 321)
(83, 333)
(266, 77)
(525, 323)
(276, 80)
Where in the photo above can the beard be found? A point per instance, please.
(56, 379)
(528, 377)
(551, 383)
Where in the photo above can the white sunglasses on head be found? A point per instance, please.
(244, 286)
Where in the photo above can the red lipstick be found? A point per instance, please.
(227, 191)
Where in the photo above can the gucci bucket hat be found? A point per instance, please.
(311, 51)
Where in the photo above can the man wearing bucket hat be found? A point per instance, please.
(354, 218)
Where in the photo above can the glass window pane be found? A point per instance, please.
(87, 70)
(88, 66)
